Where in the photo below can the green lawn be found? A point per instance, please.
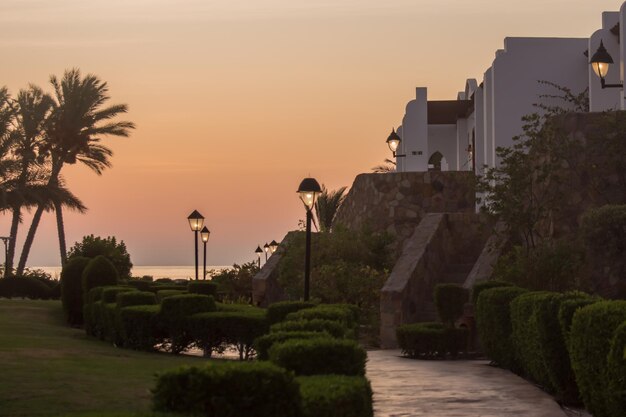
(50, 369)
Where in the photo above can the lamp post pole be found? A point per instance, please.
(309, 189)
(204, 234)
(195, 222)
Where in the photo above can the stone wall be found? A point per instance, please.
(397, 202)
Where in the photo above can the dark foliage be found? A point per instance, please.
(135, 298)
(24, 287)
(485, 285)
(277, 312)
(92, 246)
(333, 328)
(431, 340)
(336, 396)
(450, 300)
(174, 313)
(139, 326)
(72, 289)
(202, 287)
(99, 272)
(263, 343)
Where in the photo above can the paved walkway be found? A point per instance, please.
(405, 387)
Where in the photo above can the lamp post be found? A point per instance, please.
(273, 246)
(196, 220)
(600, 62)
(393, 141)
(309, 189)
(266, 248)
(258, 252)
(204, 235)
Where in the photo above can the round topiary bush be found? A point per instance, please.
(263, 344)
(99, 272)
(72, 289)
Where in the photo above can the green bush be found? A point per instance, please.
(164, 287)
(24, 287)
(202, 287)
(567, 309)
(110, 327)
(139, 284)
(228, 389)
(591, 334)
(616, 373)
(450, 300)
(335, 396)
(325, 312)
(240, 329)
(604, 230)
(320, 356)
(278, 311)
(92, 246)
(163, 294)
(174, 313)
(333, 328)
(99, 272)
(263, 343)
(236, 307)
(139, 327)
(429, 340)
(493, 319)
(72, 289)
(109, 294)
(485, 285)
(135, 298)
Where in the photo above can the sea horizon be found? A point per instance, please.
(155, 271)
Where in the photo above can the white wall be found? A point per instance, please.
(442, 138)
(415, 133)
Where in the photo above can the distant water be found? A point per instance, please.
(175, 272)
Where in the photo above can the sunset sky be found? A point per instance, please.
(236, 101)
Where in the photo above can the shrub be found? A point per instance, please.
(567, 309)
(591, 333)
(210, 330)
(139, 326)
(227, 389)
(135, 298)
(163, 294)
(278, 311)
(263, 343)
(324, 312)
(139, 284)
(174, 313)
(234, 307)
(317, 325)
(72, 289)
(160, 287)
(24, 287)
(320, 356)
(109, 294)
(110, 329)
(99, 272)
(202, 287)
(92, 246)
(485, 285)
(493, 319)
(616, 373)
(335, 396)
(428, 340)
(450, 299)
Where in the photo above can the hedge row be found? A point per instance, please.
(260, 389)
(572, 344)
(431, 340)
(25, 287)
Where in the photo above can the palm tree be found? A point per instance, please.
(74, 130)
(30, 110)
(388, 166)
(326, 207)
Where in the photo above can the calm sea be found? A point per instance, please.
(176, 272)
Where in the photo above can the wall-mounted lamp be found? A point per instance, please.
(600, 62)
(393, 141)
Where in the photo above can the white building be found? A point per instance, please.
(463, 134)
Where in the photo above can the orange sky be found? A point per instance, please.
(237, 100)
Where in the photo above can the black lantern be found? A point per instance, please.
(600, 63)
(309, 189)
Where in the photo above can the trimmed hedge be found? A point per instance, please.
(591, 334)
(450, 300)
(135, 298)
(263, 343)
(139, 284)
(228, 389)
(325, 312)
(616, 372)
(331, 327)
(493, 319)
(320, 356)
(139, 327)
(109, 294)
(566, 314)
(99, 272)
(163, 294)
(278, 311)
(162, 287)
(24, 287)
(202, 287)
(212, 330)
(72, 289)
(174, 313)
(335, 396)
(234, 307)
(429, 340)
(485, 285)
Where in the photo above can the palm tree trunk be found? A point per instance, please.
(30, 237)
(58, 209)
(15, 221)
